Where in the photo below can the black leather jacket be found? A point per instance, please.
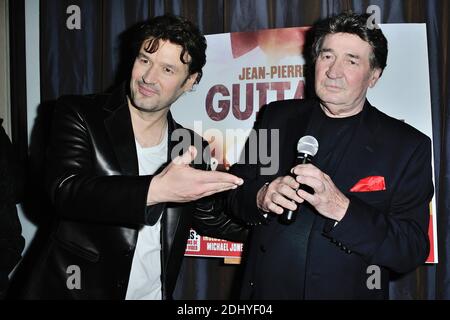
(101, 202)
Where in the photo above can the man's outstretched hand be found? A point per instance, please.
(179, 182)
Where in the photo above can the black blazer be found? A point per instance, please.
(93, 181)
(386, 228)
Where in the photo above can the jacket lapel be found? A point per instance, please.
(120, 131)
(362, 149)
(171, 127)
(297, 127)
(173, 219)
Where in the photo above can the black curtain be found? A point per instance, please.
(89, 60)
(18, 78)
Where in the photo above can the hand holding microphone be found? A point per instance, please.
(307, 148)
(308, 184)
(281, 194)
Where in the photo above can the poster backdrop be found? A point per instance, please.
(246, 70)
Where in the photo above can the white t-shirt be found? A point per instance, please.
(145, 275)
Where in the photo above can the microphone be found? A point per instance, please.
(307, 148)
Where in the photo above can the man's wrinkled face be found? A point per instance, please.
(343, 74)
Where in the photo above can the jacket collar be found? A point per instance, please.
(117, 98)
(366, 128)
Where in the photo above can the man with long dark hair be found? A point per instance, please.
(124, 186)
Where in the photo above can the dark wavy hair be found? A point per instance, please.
(176, 30)
(352, 23)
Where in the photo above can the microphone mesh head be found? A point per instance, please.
(308, 145)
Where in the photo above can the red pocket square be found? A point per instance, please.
(372, 183)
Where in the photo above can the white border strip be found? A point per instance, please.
(32, 61)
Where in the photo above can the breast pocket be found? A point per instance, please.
(374, 198)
